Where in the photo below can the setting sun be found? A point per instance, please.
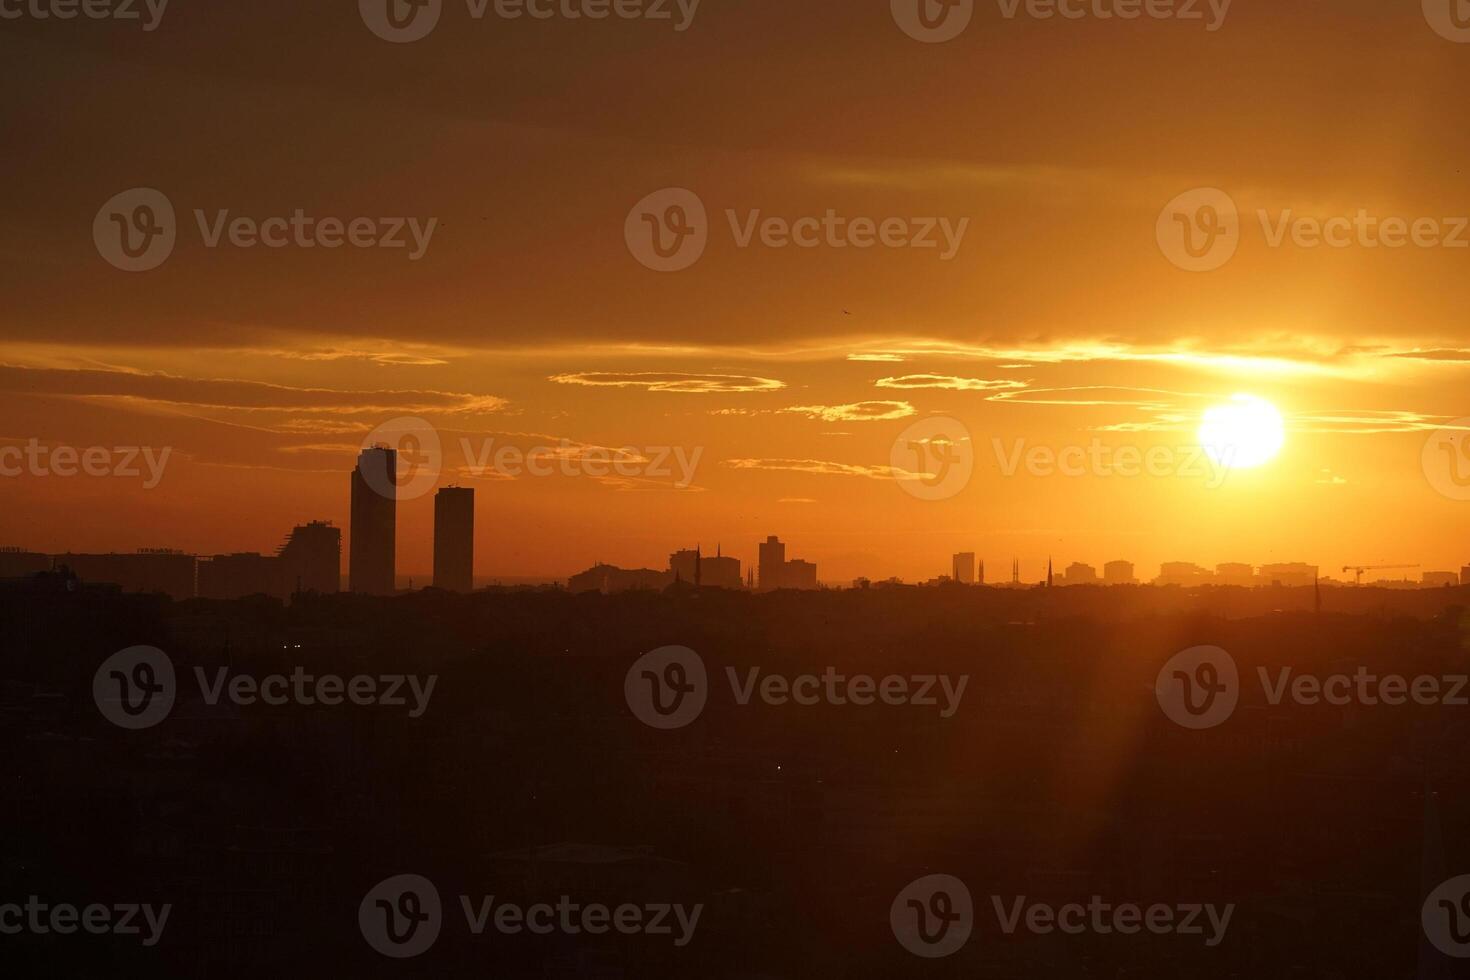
(1245, 433)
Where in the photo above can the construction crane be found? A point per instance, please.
(1358, 570)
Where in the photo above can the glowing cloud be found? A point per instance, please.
(856, 412)
(681, 383)
(947, 382)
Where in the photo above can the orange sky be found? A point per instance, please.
(1058, 321)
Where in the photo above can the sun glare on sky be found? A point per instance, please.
(1244, 433)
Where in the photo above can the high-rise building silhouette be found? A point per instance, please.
(963, 568)
(772, 563)
(311, 558)
(1119, 573)
(454, 539)
(374, 522)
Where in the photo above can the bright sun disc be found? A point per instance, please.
(1245, 433)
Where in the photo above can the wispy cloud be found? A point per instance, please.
(856, 412)
(822, 467)
(947, 382)
(1453, 354)
(224, 393)
(682, 383)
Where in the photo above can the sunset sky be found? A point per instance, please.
(528, 320)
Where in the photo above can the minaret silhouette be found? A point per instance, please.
(1048, 573)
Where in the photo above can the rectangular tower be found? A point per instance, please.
(772, 564)
(454, 539)
(371, 566)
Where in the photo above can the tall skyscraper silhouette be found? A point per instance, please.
(772, 564)
(374, 521)
(454, 539)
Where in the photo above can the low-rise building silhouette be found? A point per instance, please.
(1079, 574)
(311, 558)
(778, 573)
(1289, 574)
(148, 570)
(242, 574)
(609, 579)
(1235, 573)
